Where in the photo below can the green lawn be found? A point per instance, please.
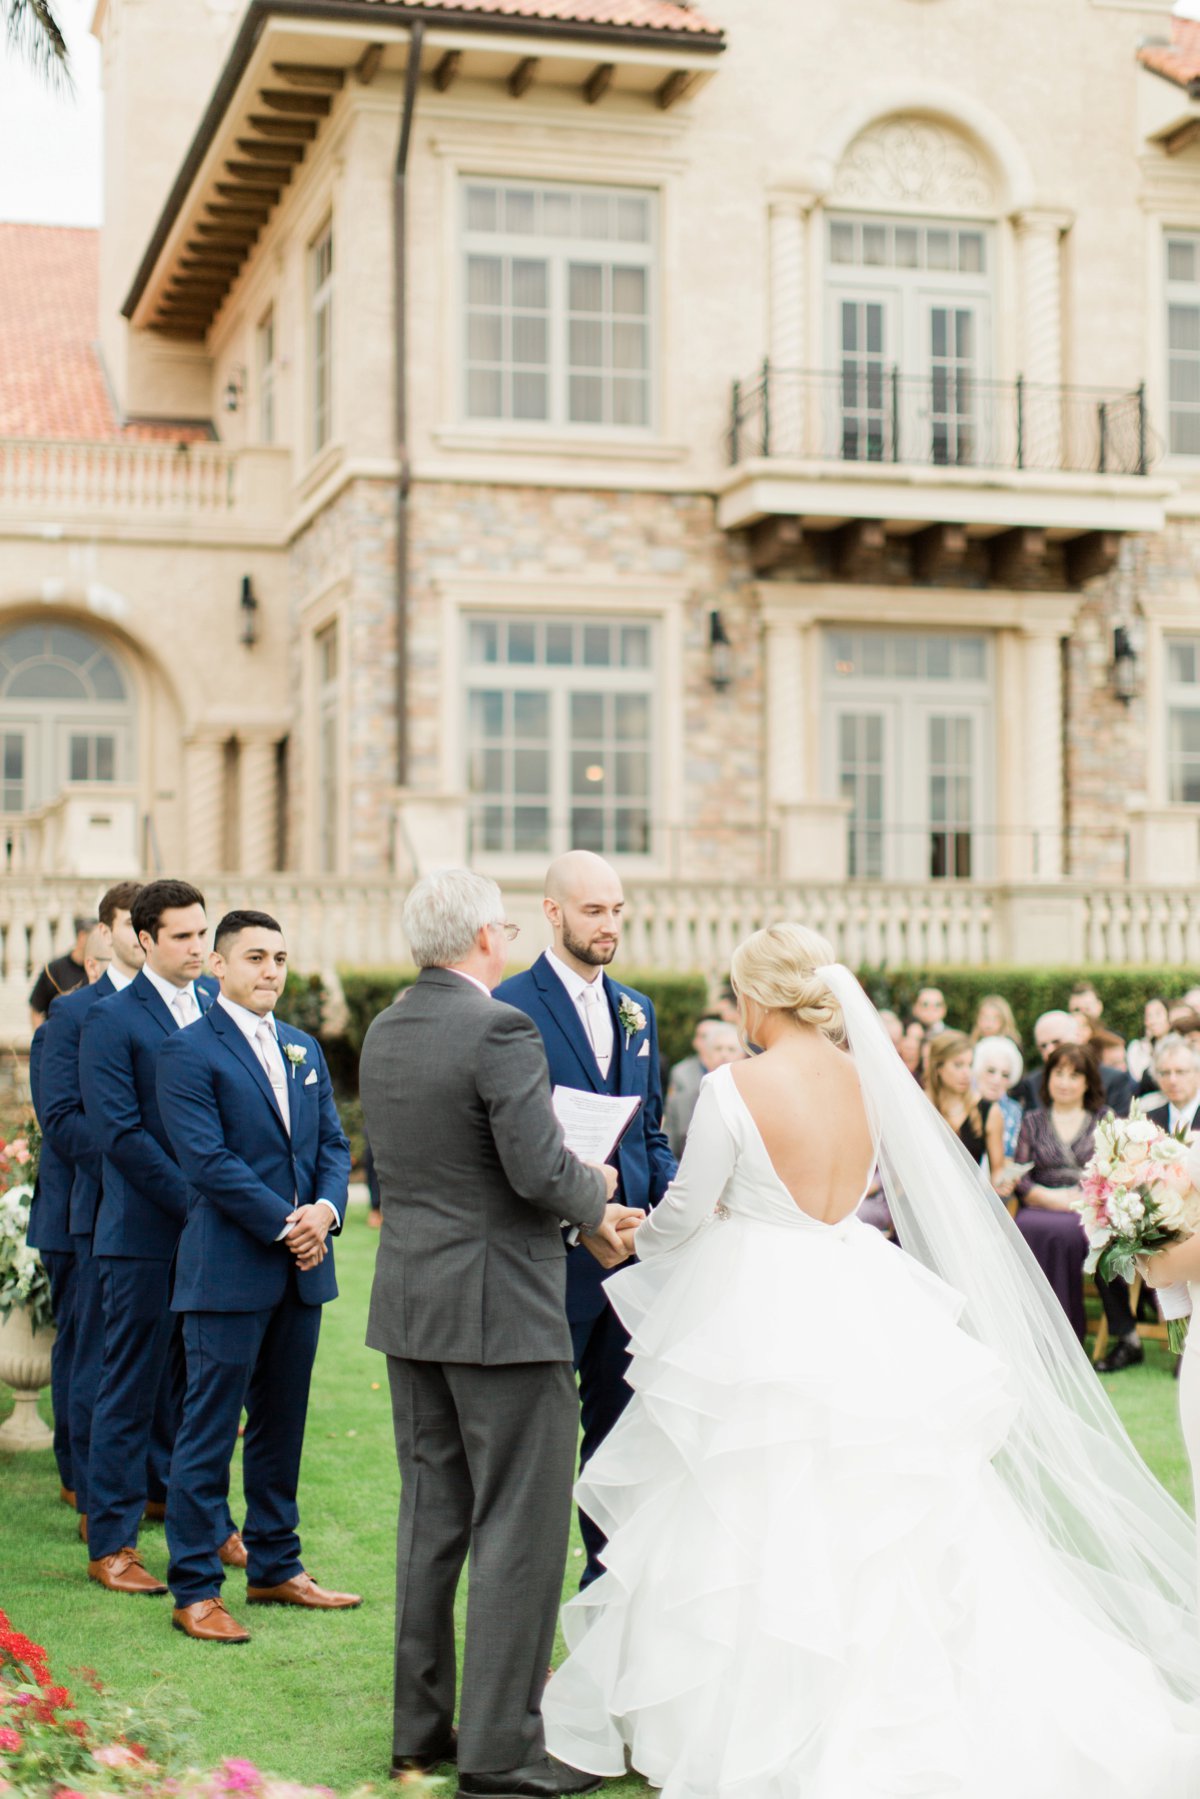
(310, 1698)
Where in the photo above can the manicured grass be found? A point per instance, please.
(310, 1697)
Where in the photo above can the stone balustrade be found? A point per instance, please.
(68, 482)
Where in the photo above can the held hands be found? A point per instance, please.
(611, 1241)
(306, 1239)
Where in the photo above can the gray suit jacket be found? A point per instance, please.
(475, 1180)
(683, 1090)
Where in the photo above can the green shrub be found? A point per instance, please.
(302, 1002)
(1029, 991)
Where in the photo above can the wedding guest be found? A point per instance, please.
(893, 1024)
(978, 1123)
(1177, 1009)
(73, 1140)
(911, 1048)
(1108, 1048)
(929, 1010)
(1085, 1002)
(63, 975)
(467, 1305)
(725, 1005)
(1052, 1030)
(1058, 1139)
(602, 1036)
(994, 1018)
(996, 1069)
(1155, 1025)
(138, 1226)
(248, 1106)
(1176, 1069)
(683, 1084)
(1192, 996)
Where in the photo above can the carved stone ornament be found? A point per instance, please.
(916, 163)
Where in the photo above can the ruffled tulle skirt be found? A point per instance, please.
(817, 1586)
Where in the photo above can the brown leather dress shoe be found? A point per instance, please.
(233, 1551)
(156, 1510)
(303, 1590)
(67, 1497)
(124, 1573)
(209, 1622)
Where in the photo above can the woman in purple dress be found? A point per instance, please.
(1058, 1138)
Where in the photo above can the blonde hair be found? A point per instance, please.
(947, 1046)
(1008, 1023)
(777, 970)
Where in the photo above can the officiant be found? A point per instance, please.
(599, 1036)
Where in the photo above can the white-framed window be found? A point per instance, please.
(561, 734)
(1183, 720)
(908, 329)
(265, 356)
(329, 729)
(908, 732)
(67, 714)
(1183, 342)
(558, 304)
(321, 281)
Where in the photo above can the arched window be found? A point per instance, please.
(66, 715)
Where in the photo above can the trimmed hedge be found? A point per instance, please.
(1030, 991)
(678, 1001)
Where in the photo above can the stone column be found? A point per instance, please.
(787, 343)
(1043, 760)
(812, 830)
(204, 773)
(258, 819)
(1040, 353)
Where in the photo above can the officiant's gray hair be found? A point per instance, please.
(446, 911)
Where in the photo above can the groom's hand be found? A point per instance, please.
(306, 1238)
(611, 1176)
(606, 1241)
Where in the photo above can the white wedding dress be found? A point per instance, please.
(818, 1585)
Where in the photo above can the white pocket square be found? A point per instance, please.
(644, 1051)
(311, 1078)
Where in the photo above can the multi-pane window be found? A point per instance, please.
(328, 744)
(1183, 720)
(67, 711)
(560, 735)
(92, 756)
(321, 274)
(12, 771)
(558, 287)
(1183, 343)
(265, 346)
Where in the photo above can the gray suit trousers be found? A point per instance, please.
(487, 1458)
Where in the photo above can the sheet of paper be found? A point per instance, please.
(593, 1123)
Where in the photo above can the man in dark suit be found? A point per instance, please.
(138, 1224)
(600, 1036)
(68, 1133)
(1176, 1068)
(248, 1106)
(1051, 1029)
(467, 1305)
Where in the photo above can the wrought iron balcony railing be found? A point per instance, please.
(869, 413)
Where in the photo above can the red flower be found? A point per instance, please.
(10, 1740)
(77, 1727)
(58, 1696)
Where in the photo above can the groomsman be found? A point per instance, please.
(248, 1105)
(49, 1233)
(68, 1133)
(600, 1036)
(138, 1225)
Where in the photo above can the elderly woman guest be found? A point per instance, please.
(1058, 1140)
(994, 1018)
(978, 1123)
(996, 1068)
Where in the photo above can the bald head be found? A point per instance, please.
(583, 905)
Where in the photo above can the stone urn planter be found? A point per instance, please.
(25, 1367)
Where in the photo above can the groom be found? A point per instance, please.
(599, 1036)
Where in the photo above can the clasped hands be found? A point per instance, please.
(611, 1241)
(306, 1239)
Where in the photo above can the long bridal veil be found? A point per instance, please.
(1119, 1542)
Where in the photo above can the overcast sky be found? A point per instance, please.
(50, 170)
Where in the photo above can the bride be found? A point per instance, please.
(873, 1527)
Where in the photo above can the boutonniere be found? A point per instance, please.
(633, 1019)
(296, 1054)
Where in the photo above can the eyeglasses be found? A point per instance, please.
(511, 931)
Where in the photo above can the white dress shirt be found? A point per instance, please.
(591, 1002)
(171, 996)
(248, 1024)
(1186, 1117)
(118, 977)
(475, 982)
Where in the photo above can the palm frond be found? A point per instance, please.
(35, 34)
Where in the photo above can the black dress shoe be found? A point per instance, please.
(549, 1779)
(1124, 1354)
(427, 1759)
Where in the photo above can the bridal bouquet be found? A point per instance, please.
(1137, 1196)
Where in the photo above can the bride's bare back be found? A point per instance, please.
(804, 1097)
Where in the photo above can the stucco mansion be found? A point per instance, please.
(757, 441)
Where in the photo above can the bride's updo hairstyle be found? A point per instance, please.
(777, 970)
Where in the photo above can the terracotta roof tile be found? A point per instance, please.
(51, 382)
(637, 15)
(1178, 61)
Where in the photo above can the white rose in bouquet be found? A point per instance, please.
(1140, 1130)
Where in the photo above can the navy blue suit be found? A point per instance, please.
(48, 1233)
(250, 1319)
(67, 1130)
(137, 1229)
(646, 1167)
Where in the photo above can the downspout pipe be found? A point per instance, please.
(400, 348)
